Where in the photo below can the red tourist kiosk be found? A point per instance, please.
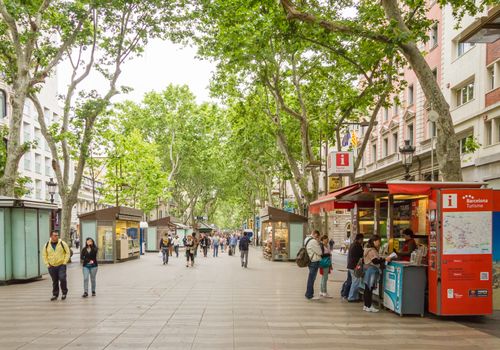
(453, 227)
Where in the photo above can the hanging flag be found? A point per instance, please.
(346, 139)
(354, 139)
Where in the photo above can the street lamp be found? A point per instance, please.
(51, 188)
(407, 152)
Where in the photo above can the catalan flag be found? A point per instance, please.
(354, 139)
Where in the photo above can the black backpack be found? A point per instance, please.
(244, 244)
(302, 258)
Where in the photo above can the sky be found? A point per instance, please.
(162, 63)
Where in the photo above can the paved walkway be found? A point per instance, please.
(142, 304)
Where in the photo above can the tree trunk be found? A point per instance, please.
(14, 147)
(67, 205)
(447, 148)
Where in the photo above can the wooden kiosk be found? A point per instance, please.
(115, 231)
(282, 233)
(156, 230)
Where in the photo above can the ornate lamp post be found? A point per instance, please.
(51, 188)
(407, 152)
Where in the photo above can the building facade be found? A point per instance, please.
(468, 75)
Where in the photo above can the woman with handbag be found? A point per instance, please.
(373, 263)
(88, 256)
(325, 265)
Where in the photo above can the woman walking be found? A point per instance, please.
(88, 256)
(176, 245)
(190, 249)
(325, 265)
(372, 265)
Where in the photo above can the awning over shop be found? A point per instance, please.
(424, 188)
(345, 198)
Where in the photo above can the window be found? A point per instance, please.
(465, 94)
(27, 108)
(464, 47)
(38, 189)
(27, 132)
(3, 104)
(395, 107)
(410, 95)
(491, 78)
(38, 138)
(48, 167)
(463, 143)
(488, 140)
(38, 164)
(432, 129)
(386, 114)
(385, 147)
(434, 35)
(27, 161)
(410, 134)
(395, 143)
(374, 153)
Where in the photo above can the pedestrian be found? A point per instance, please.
(372, 265)
(164, 247)
(232, 244)
(176, 245)
(171, 246)
(55, 256)
(190, 248)
(314, 252)
(204, 243)
(355, 253)
(88, 257)
(331, 243)
(196, 244)
(222, 242)
(244, 243)
(347, 244)
(325, 266)
(215, 242)
(77, 242)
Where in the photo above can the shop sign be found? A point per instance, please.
(468, 200)
(333, 183)
(340, 163)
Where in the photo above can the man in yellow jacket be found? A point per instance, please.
(56, 255)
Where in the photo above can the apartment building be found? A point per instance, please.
(468, 74)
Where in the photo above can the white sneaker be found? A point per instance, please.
(367, 309)
(321, 294)
(326, 295)
(315, 298)
(372, 309)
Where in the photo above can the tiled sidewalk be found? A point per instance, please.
(142, 304)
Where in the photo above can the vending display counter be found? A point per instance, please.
(115, 231)
(282, 233)
(404, 288)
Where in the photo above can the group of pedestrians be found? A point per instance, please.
(319, 252)
(369, 260)
(57, 254)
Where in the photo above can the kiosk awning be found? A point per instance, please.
(346, 197)
(425, 187)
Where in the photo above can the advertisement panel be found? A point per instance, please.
(466, 260)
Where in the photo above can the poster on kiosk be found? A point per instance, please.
(460, 252)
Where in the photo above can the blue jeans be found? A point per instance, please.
(324, 279)
(313, 271)
(164, 251)
(92, 272)
(354, 290)
(216, 250)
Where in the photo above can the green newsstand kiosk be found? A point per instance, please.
(156, 230)
(24, 231)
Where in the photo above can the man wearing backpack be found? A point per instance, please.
(244, 243)
(355, 253)
(313, 249)
(56, 255)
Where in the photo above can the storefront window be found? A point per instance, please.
(281, 241)
(105, 241)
